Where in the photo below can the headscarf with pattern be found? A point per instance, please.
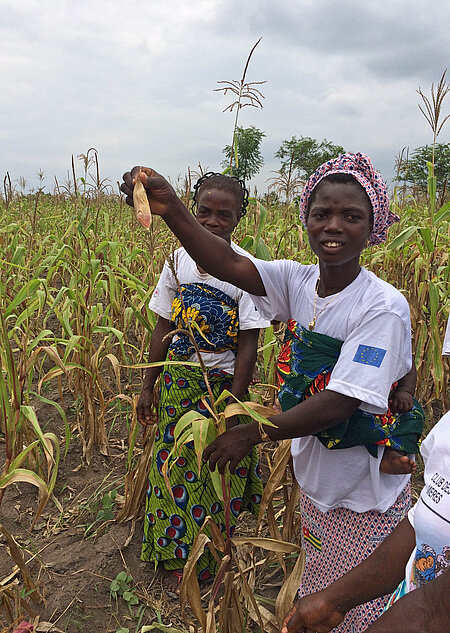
(360, 167)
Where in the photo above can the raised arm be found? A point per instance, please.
(212, 253)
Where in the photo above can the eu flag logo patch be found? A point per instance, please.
(368, 355)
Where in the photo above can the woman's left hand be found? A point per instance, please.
(231, 447)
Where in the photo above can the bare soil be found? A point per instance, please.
(75, 554)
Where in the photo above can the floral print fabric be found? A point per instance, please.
(360, 167)
(305, 363)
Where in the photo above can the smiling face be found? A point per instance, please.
(218, 211)
(339, 223)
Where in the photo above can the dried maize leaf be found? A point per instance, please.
(141, 204)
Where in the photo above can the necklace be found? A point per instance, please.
(312, 324)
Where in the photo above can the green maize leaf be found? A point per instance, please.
(268, 347)
(182, 438)
(20, 458)
(431, 186)
(32, 307)
(58, 407)
(442, 214)
(26, 291)
(437, 363)
(235, 149)
(218, 482)
(185, 421)
(5, 405)
(46, 438)
(111, 330)
(261, 221)
(9, 364)
(61, 294)
(425, 233)
(402, 238)
(18, 256)
(40, 337)
(204, 432)
(95, 266)
(11, 228)
(247, 406)
(262, 252)
(434, 297)
(127, 316)
(65, 322)
(247, 243)
(42, 296)
(71, 344)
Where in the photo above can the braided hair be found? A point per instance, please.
(234, 185)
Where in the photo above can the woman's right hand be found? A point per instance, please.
(312, 613)
(147, 407)
(160, 193)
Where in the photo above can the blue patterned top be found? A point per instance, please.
(214, 312)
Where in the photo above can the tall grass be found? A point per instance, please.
(76, 274)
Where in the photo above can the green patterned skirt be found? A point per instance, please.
(171, 524)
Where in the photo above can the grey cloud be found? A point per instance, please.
(390, 39)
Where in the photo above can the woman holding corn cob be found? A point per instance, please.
(348, 341)
(226, 336)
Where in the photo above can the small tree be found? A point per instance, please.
(249, 157)
(306, 154)
(415, 171)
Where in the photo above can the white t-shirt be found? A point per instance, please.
(430, 516)
(372, 319)
(446, 346)
(187, 272)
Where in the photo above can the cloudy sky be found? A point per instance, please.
(136, 80)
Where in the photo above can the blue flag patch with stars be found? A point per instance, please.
(368, 355)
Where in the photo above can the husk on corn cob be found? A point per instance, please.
(141, 204)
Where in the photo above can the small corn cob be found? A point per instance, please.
(141, 205)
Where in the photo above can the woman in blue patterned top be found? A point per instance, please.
(229, 326)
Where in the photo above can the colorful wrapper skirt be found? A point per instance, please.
(171, 524)
(305, 364)
(336, 541)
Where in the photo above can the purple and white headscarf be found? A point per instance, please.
(360, 167)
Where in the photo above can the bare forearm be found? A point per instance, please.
(425, 610)
(317, 413)
(321, 411)
(379, 574)
(408, 382)
(159, 344)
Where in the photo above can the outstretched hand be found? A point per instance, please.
(312, 614)
(231, 447)
(160, 193)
